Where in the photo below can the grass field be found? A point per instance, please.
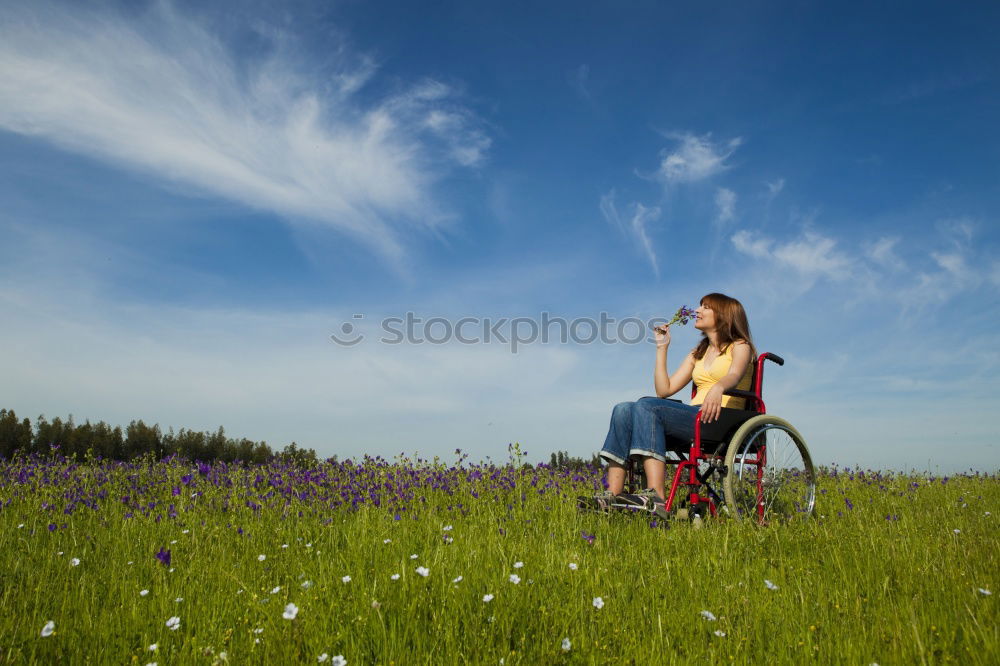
(412, 562)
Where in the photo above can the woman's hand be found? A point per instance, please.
(711, 407)
(662, 335)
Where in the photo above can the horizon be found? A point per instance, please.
(199, 199)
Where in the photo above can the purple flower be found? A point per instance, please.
(850, 504)
(164, 556)
(589, 538)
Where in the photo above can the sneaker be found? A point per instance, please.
(644, 499)
(602, 501)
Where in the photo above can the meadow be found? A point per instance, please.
(416, 561)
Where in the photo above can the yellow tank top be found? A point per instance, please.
(705, 378)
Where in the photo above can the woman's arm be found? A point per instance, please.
(667, 385)
(712, 405)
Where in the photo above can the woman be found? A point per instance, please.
(651, 426)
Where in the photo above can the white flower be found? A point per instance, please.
(20, 526)
(514, 578)
(987, 513)
(179, 599)
(708, 615)
(258, 630)
(143, 593)
(152, 663)
(59, 553)
(131, 563)
(345, 579)
(154, 647)
(172, 542)
(291, 610)
(170, 570)
(174, 623)
(447, 528)
(338, 660)
(769, 585)
(394, 577)
(566, 645)
(75, 562)
(598, 603)
(256, 641)
(957, 531)
(376, 605)
(413, 557)
(572, 566)
(518, 565)
(47, 630)
(185, 531)
(306, 585)
(423, 571)
(284, 545)
(386, 540)
(720, 633)
(323, 657)
(223, 656)
(261, 557)
(276, 589)
(487, 598)
(309, 545)
(983, 591)
(457, 580)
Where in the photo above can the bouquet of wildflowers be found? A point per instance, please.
(682, 316)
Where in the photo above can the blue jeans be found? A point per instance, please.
(648, 428)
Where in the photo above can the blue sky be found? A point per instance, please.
(196, 199)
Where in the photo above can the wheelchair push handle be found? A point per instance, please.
(774, 357)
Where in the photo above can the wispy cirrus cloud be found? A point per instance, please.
(158, 92)
(725, 204)
(695, 158)
(812, 255)
(636, 227)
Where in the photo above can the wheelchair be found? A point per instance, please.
(747, 464)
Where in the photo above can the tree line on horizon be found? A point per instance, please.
(138, 439)
(100, 440)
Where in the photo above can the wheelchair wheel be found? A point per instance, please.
(769, 473)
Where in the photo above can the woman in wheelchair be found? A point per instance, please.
(650, 427)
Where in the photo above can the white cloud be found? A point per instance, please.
(954, 263)
(695, 159)
(159, 93)
(610, 211)
(774, 188)
(811, 254)
(636, 229)
(745, 242)
(883, 253)
(725, 202)
(641, 217)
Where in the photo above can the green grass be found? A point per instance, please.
(852, 586)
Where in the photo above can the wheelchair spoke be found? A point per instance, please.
(770, 476)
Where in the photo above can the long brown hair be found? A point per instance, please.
(731, 324)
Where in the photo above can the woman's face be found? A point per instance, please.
(704, 318)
